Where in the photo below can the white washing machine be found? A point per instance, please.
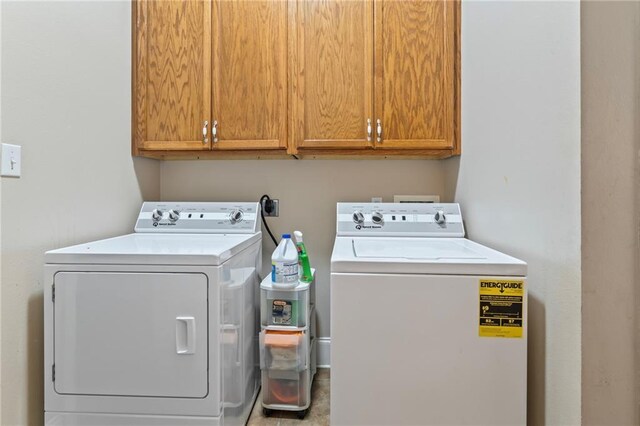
(427, 327)
(158, 327)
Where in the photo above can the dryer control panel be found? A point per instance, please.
(400, 219)
(200, 218)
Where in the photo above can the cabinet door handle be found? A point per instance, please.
(214, 131)
(379, 130)
(369, 130)
(205, 132)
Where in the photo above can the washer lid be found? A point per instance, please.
(156, 249)
(444, 256)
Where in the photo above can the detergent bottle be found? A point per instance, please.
(284, 264)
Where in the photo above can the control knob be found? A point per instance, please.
(440, 217)
(156, 215)
(377, 218)
(236, 216)
(174, 215)
(358, 217)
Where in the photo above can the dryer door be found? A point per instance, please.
(131, 334)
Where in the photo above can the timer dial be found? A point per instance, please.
(440, 217)
(174, 215)
(156, 214)
(377, 218)
(236, 216)
(358, 217)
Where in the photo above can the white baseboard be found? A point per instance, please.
(324, 352)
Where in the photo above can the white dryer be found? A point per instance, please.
(427, 327)
(158, 327)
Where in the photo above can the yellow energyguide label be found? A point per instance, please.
(501, 304)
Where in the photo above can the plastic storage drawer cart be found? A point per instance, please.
(287, 346)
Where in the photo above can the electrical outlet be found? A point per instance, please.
(271, 208)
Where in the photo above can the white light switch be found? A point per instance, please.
(10, 160)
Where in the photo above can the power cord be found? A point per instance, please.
(265, 201)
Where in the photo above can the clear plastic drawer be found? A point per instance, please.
(285, 308)
(286, 388)
(283, 350)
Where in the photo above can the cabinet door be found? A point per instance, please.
(415, 63)
(249, 74)
(172, 94)
(333, 73)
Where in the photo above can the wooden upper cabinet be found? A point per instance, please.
(172, 74)
(415, 66)
(332, 73)
(287, 77)
(249, 74)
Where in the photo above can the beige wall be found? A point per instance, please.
(610, 187)
(308, 191)
(66, 100)
(518, 178)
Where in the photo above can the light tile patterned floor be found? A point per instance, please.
(318, 414)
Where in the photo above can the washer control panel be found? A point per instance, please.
(400, 219)
(200, 218)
